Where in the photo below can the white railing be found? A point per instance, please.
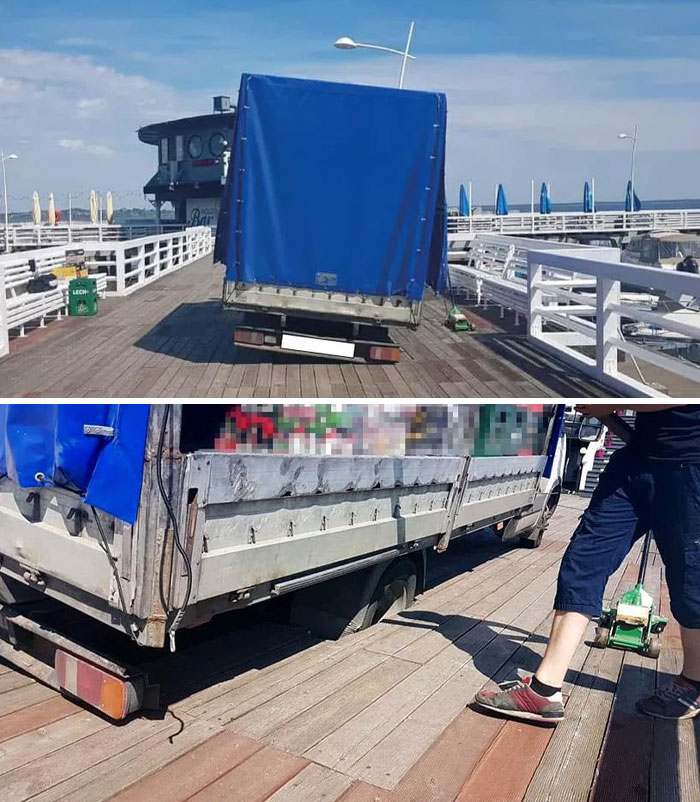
(119, 268)
(590, 317)
(575, 222)
(22, 236)
(562, 305)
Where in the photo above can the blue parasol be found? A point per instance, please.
(464, 202)
(587, 199)
(629, 200)
(501, 202)
(545, 202)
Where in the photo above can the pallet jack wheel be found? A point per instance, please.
(601, 637)
(653, 650)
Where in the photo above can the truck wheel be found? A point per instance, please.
(529, 542)
(653, 649)
(534, 539)
(395, 591)
(601, 637)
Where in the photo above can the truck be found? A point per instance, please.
(333, 215)
(121, 525)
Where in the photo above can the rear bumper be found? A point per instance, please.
(29, 642)
(338, 348)
(376, 309)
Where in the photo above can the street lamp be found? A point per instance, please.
(634, 151)
(3, 159)
(346, 43)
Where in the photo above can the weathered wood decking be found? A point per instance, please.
(270, 713)
(173, 339)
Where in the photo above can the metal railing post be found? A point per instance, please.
(120, 267)
(607, 325)
(4, 330)
(535, 297)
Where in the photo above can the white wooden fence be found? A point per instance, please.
(119, 267)
(575, 222)
(561, 291)
(24, 236)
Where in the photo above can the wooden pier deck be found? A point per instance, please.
(173, 339)
(267, 713)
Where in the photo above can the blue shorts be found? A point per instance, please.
(634, 495)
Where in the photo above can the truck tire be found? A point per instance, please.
(395, 591)
(533, 539)
(355, 601)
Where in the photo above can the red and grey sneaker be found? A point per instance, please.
(516, 699)
(679, 700)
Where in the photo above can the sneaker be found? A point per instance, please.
(676, 701)
(516, 699)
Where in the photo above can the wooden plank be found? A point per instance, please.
(625, 760)
(267, 717)
(115, 771)
(41, 778)
(506, 769)
(187, 775)
(305, 730)
(43, 740)
(569, 763)
(482, 651)
(675, 757)
(34, 716)
(25, 696)
(254, 780)
(348, 748)
(16, 679)
(313, 784)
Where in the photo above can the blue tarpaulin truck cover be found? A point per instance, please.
(46, 445)
(335, 186)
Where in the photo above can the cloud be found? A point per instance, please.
(516, 118)
(511, 118)
(79, 145)
(76, 112)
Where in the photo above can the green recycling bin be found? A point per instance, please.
(82, 297)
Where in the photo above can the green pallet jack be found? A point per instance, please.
(457, 321)
(631, 623)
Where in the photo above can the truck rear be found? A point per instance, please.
(333, 218)
(121, 525)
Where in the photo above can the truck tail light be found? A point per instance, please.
(385, 353)
(114, 696)
(248, 337)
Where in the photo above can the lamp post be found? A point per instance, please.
(3, 159)
(346, 43)
(634, 152)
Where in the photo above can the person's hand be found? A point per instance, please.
(596, 410)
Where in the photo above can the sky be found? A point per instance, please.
(536, 89)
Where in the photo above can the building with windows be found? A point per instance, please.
(193, 157)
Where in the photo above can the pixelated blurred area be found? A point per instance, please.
(485, 430)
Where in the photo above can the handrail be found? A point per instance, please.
(121, 266)
(609, 222)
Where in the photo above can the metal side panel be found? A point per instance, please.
(499, 486)
(314, 303)
(249, 477)
(42, 536)
(227, 569)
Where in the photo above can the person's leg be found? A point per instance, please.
(677, 534)
(604, 536)
(691, 653)
(568, 628)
